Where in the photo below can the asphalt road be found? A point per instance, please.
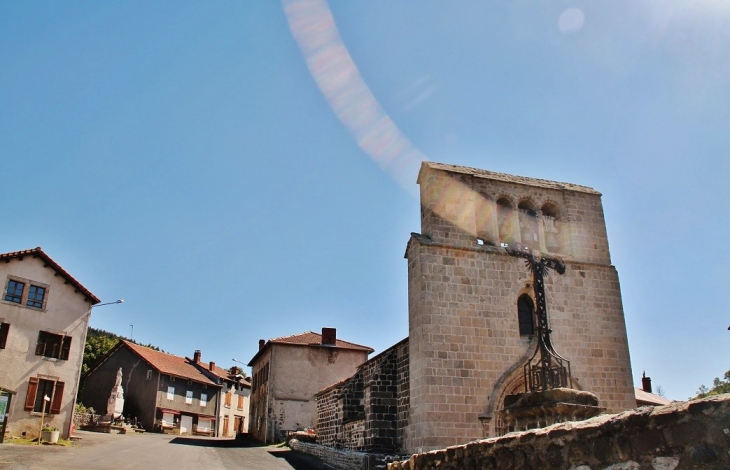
(97, 451)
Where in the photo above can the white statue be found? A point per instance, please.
(115, 404)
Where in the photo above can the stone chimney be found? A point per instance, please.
(262, 343)
(211, 366)
(329, 336)
(196, 356)
(646, 383)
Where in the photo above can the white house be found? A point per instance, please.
(44, 316)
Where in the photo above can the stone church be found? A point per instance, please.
(472, 315)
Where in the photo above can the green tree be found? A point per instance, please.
(719, 386)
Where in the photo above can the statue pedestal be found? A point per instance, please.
(533, 410)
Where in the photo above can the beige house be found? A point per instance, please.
(235, 396)
(287, 372)
(44, 315)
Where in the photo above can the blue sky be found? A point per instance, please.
(181, 155)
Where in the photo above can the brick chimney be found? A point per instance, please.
(329, 336)
(211, 366)
(196, 356)
(646, 383)
(262, 343)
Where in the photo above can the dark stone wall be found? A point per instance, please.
(682, 435)
(368, 411)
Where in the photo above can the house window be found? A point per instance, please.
(170, 393)
(205, 424)
(53, 345)
(228, 398)
(38, 389)
(203, 399)
(35, 296)
(14, 292)
(240, 402)
(525, 314)
(4, 329)
(189, 397)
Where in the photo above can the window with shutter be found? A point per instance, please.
(4, 329)
(41, 344)
(66, 347)
(53, 345)
(30, 395)
(57, 398)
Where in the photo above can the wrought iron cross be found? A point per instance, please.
(551, 370)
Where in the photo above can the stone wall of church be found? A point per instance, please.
(466, 351)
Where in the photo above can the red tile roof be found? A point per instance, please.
(220, 372)
(310, 338)
(38, 252)
(646, 398)
(170, 364)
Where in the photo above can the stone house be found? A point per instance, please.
(44, 316)
(164, 392)
(472, 315)
(288, 371)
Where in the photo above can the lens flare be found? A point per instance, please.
(339, 80)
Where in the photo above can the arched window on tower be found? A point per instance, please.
(505, 220)
(528, 224)
(526, 315)
(551, 225)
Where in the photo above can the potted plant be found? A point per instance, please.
(49, 434)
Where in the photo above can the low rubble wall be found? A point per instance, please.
(343, 459)
(681, 435)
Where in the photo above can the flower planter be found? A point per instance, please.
(50, 436)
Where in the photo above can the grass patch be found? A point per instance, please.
(22, 441)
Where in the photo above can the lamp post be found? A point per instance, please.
(46, 399)
(120, 301)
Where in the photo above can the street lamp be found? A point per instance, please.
(120, 301)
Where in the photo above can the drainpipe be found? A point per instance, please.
(269, 392)
(218, 412)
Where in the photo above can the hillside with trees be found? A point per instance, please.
(719, 386)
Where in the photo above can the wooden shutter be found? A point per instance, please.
(41, 345)
(66, 347)
(30, 396)
(57, 398)
(4, 328)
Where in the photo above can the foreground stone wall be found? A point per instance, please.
(342, 459)
(685, 435)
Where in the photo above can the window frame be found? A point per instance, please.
(14, 295)
(188, 397)
(54, 405)
(63, 344)
(203, 399)
(24, 298)
(4, 333)
(522, 317)
(170, 393)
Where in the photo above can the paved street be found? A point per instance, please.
(154, 451)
